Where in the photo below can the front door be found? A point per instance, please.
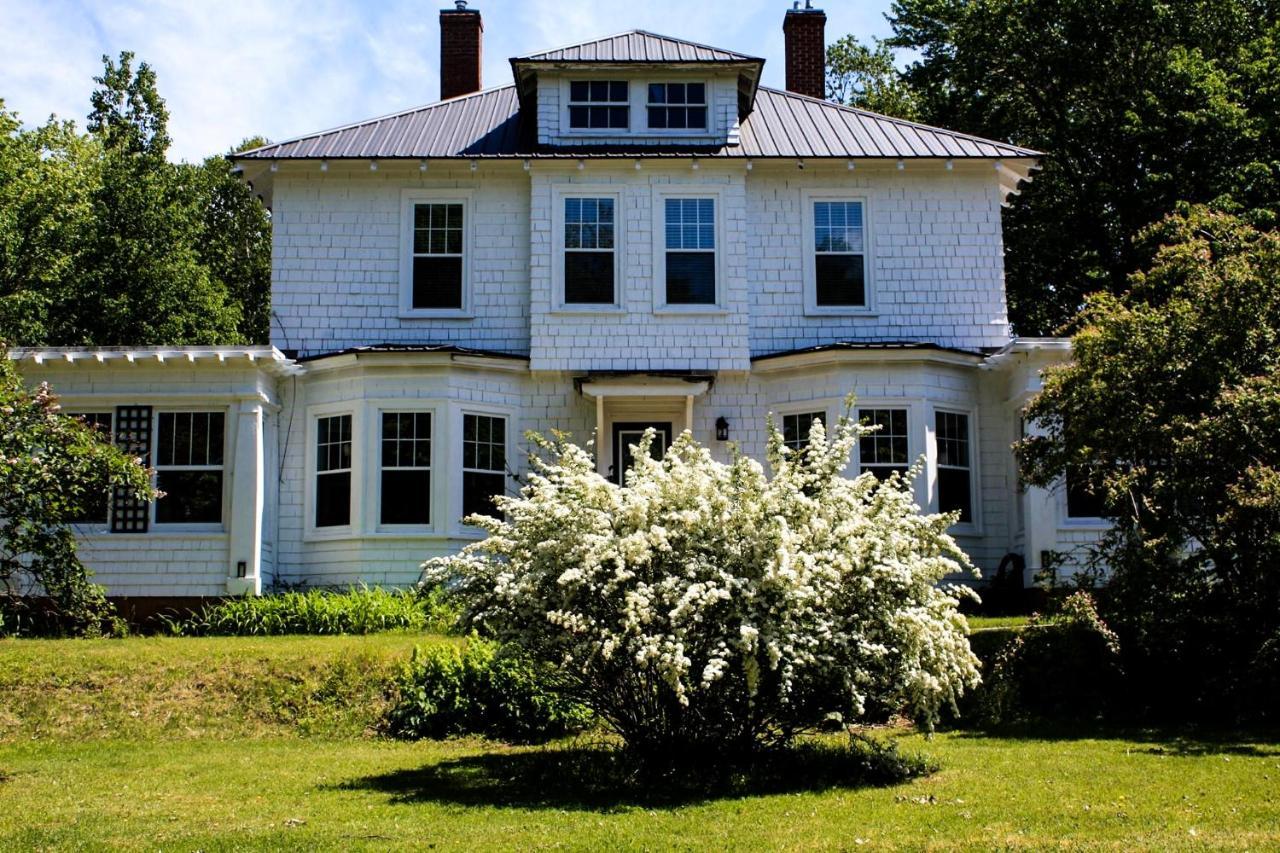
(627, 434)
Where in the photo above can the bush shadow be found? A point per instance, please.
(605, 779)
(1154, 740)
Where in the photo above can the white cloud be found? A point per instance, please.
(229, 69)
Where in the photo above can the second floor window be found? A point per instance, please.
(884, 451)
(188, 462)
(333, 471)
(437, 255)
(588, 251)
(599, 104)
(955, 490)
(691, 251)
(677, 106)
(405, 496)
(484, 463)
(839, 254)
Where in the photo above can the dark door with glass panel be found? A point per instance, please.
(626, 435)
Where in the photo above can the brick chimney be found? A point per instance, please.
(805, 31)
(461, 33)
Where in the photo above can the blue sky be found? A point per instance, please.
(280, 68)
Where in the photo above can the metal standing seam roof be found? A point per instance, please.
(490, 124)
(637, 46)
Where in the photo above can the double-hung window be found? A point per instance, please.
(590, 230)
(795, 428)
(1082, 502)
(95, 508)
(839, 254)
(955, 487)
(405, 493)
(333, 471)
(189, 463)
(484, 463)
(438, 261)
(690, 240)
(677, 106)
(599, 104)
(884, 451)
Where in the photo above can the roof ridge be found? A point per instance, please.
(955, 134)
(363, 122)
(635, 31)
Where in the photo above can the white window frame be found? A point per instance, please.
(973, 527)
(408, 199)
(821, 407)
(630, 103)
(1068, 521)
(225, 468)
(808, 197)
(660, 196)
(354, 522)
(457, 496)
(566, 191)
(914, 448)
(708, 93)
(376, 469)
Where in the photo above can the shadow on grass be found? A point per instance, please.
(1156, 740)
(602, 778)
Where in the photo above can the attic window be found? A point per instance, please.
(598, 104)
(677, 106)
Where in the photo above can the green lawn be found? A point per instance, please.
(95, 776)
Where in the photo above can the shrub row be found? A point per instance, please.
(358, 610)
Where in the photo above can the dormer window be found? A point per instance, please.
(677, 106)
(599, 104)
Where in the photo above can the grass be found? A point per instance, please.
(983, 623)
(195, 744)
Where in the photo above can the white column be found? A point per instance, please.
(248, 489)
(601, 467)
(1040, 520)
(688, 412)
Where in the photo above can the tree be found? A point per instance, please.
(1138, 104)
(1170, 413)
(705, 609)
(53, 470)
(867, 78)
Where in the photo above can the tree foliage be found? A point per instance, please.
(53, 470)
(708, 609)
(1170, 412)
(1138, 104)
(867, 78)
(105, 242)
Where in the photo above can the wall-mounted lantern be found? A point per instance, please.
(722, 429)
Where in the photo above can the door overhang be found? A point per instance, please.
(645, 397)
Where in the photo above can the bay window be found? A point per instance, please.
(884, 451)
(405, 483)
(955, 486)
(333, 471)
(795, 428)
(484, 463)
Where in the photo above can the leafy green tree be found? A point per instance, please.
(1170, 413)
(143, 282)
(867, 78)
(53, 470)
(1139, 104)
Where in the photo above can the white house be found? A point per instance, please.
(635, 234)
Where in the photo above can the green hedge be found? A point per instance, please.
(358, 610)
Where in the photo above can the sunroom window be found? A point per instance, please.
(189, 451)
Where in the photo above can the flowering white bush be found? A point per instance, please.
(707, 606)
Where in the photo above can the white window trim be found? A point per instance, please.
(660, 194)
(409, 198)
(683, 132)
(1066, 521)
(225, 468)
(811, 307)
(311, 532)
(973, 527)
(416, 407)
(801, 408)
(455, 525)
(615, 77)
(559, 194)
(915, 443)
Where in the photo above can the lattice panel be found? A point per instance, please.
(133, 436)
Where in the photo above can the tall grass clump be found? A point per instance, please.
(356, 610)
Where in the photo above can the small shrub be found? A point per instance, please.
(358, 610)
(485, 689)
(1064, 665)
